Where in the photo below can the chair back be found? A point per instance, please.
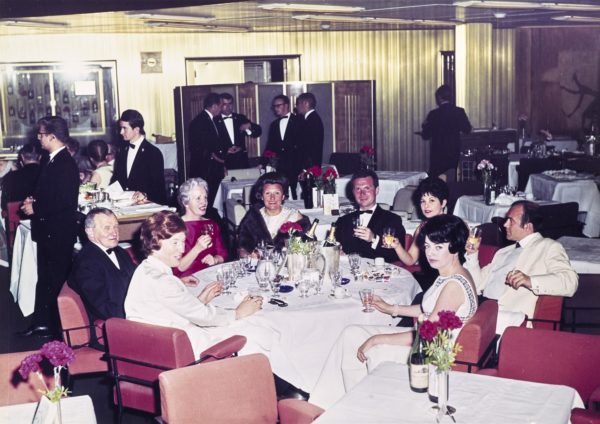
(12, 222)
(486, 254)
(346, 163)
(552, 357)
(243, 174)
(548, 312)
(461, 188)
(15, 390)
(73, 317)
(560, 220)
(477, 338)
(403, 200)
(236, 390)
(138, 353)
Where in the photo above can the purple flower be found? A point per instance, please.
(428, 330)
(30, 364)
(448, 320)
(58, 353)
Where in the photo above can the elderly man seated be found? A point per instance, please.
(521, 272)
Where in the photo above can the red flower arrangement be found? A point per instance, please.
(290, 228)
(438, 339)
(314, 170)
(269, 154)
(367, 150)
(367, 157)
(330, 174)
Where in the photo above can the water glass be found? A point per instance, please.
(246, 262)
(275, 286)
(265, 271)
(356, 222)
(366, 296)
(336, 278)
(474, 238)
(354, 261)
(228, 279)
(304, 287)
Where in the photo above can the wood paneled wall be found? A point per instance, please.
(405, 65)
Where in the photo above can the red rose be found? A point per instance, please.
(368, 150)
(428, 330)
(269, 154)
(288, 226)
(330, 174)
(448, 320)
(314, 170)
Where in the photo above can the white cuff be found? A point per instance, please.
(375, 242)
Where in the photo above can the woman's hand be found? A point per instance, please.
(248, 306)
(190, 281)
(203, 242)
(382, 306)
(395, 243)
(209, 260)
(139, 197)
(211, 291)
(368, 344)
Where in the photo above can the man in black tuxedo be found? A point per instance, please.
(312, 131)
(52, 209)
(18, 185)
(443, 126)
(102, 270)
(207, 156)
(233, 129)
(139, 166)
(284, 140)
(366, 239)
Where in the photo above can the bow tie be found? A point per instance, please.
(284, 117)
(227, 117)
(131, 146)
(517, 245)
(109, 251)
(370, 212)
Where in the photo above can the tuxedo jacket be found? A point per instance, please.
(205, 141)
(381, 218)
(240, 159)
(312, 141)
(543, 260)
(55, 207)
(288, 148)
(18, 185)
(101, 285)
(147, 172)
(443, 126)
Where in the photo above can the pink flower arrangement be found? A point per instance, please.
(439, 347)
(60, 356)
(290, 228)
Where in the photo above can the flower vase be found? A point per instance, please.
(443, 380)
(439, 390)
(58, 416)
(296, 262)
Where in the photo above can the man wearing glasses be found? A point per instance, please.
(284, 140)
(52, 210)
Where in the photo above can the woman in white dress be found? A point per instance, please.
(97, 152)
(361, 348)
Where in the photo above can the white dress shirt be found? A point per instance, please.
(132, 153)
(228, 120)
(283, 122)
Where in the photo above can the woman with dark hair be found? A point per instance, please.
(156, 296)
(263, 221)
(361, 348)
(203, 244)
(97, 151)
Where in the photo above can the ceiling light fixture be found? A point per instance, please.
(33, 24)
(173, 18)
(301, 7)
(500, 4)
(371, 20)
(196, 26)
(572, 18)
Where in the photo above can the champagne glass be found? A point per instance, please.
(356, 222)
(474, 238)
(265, 271)
(366, 296)
(389, 233)
(354, 261)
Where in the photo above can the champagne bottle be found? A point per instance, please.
(419, 370)
(331, 241)
(310, 234)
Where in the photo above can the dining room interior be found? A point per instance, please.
(527, 74)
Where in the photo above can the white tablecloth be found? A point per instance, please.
(389, 183)
(385, 397)
(584, 254)
(226, 189)
(23, 277)
(308, 328)
(169, 152)
(75, 410)
(584, 192)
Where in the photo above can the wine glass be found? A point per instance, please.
(366, 296)
(265, 271)
(246, 262)
(275, 287)
(304, 287)
(354, 261)
(207, 230)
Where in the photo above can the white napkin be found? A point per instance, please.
(505, 199)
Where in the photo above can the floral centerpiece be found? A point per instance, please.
(367, 157)
(486, 170)
(272, 158)
(297, 250)
(60, 356)
(329, 181)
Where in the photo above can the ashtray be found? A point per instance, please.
(345, 281)
(285, 289)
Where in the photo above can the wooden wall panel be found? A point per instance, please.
(353, 116)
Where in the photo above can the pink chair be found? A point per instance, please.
(548, 312)
(553, 357)
(139, 352)
(13, 389)
(76, 332)
(477, 338)
(486, 254)
(235, 391)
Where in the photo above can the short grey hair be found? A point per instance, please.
(183, 197)
(89, 219)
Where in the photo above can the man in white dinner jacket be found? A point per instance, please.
(521, 272)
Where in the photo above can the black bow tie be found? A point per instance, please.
(517, 245)
(370, 212)
(228, 117)
(285, 117)
(109, 251)
(131, 146)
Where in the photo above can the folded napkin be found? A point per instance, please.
(505, 199)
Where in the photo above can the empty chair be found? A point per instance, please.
(236, 390)
(477, 338)
(77, 332)
(582, 310)
(403, 201)
(548, 312)
(560, 220)
(462, 188)
(346, 163)
(553, 357)
(243, 174)
(15, 390)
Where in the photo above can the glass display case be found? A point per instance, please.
(84, 94)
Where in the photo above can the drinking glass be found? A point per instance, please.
(207, 230)
(366, 296)
(336, 278)
(354, 261)
(311, 276)
(474, 238)
(275, 286)
(303, 287)
(389, 234)
(228, 279)
(246, 262)
(265, 271)
(356, 222)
